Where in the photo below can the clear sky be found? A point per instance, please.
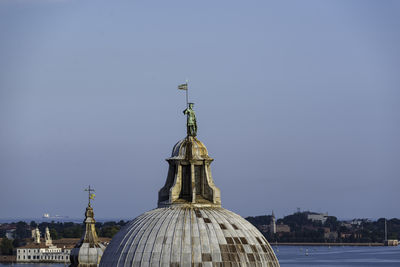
(297, 102)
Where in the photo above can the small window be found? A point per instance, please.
(223, 227)
(235, 227)
(243, 240)
(229, 240)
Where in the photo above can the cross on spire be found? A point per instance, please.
(90, 195)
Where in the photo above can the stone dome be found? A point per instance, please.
(189, 236)
(189, 147)
(189, 227)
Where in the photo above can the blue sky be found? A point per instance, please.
(297, 102)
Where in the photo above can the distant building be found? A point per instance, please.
(282, 228)
(318, 217)
(347, 225)
(38, 251)
(331, 235)
(10, 234)
(42, 253)
(345, 235)
(359, 222)
(391, 242)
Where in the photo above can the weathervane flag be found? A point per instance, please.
(183, 86)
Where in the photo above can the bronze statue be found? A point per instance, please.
(191, 120)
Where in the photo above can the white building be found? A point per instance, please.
(42, 252)
(318, 217)
(10, 234)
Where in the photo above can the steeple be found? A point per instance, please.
(273, 223)
(88, 251)
(189, 179)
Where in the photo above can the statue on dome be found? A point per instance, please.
(191, 120)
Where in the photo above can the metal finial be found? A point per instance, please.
(90, 195)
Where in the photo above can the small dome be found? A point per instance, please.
(87, 255)
(189, 147)
(188, 236)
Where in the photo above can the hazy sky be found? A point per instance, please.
(297, 102)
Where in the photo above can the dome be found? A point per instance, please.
(189, 145)
(187, 236)
(189, 227)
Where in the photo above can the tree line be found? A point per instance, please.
(304, 230)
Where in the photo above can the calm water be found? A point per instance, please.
(319, 256)
(338, 256)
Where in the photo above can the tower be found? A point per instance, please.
(272, 225)
(88, 251)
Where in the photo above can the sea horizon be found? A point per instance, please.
(297, 256)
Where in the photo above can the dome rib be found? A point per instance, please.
(142, 246)
(135, 228)
(187, 246)
(151, 239)
(166, 257)
(197, 244)
(157, 246)
(177, 239)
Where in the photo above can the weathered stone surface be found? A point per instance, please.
(189, 236)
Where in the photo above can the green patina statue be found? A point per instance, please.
(191, 120)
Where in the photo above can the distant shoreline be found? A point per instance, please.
(328, 244)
